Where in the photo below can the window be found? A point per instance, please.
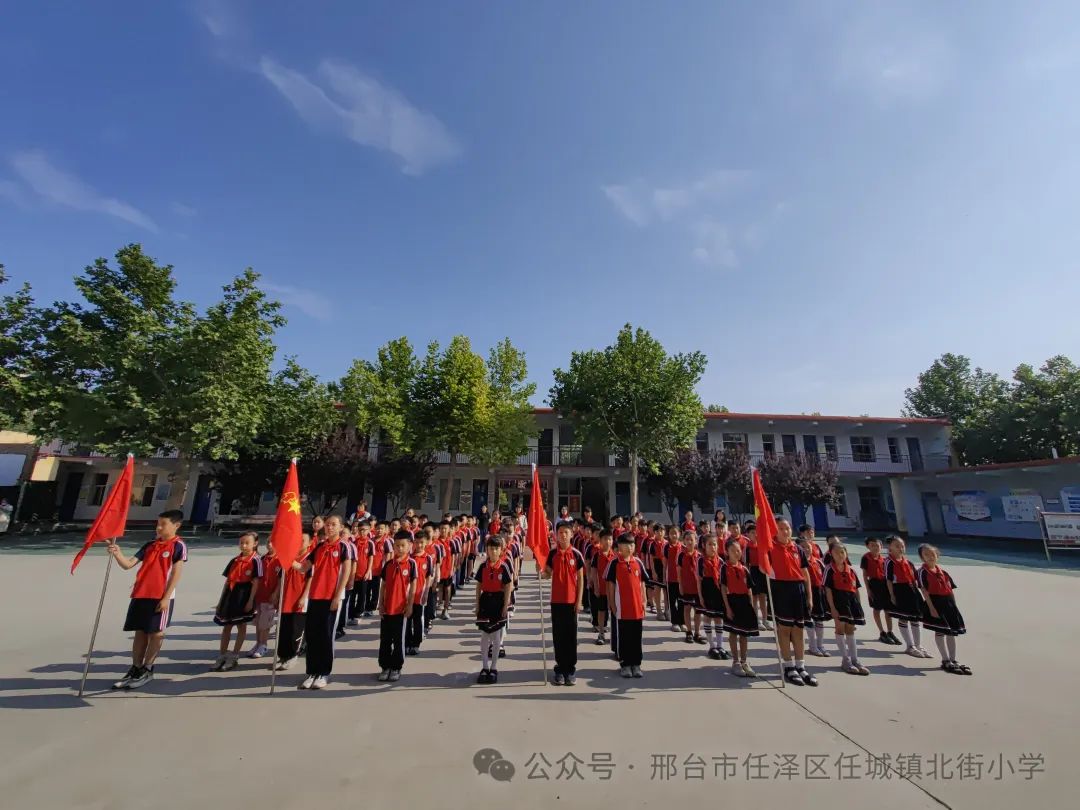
(566, 434)
(894, 451)
(143, 493)
(702, 441)
(733, 441)
(862, 448)
(788, 440)
(570, 493)
(830, 449)
(768, 444)
(97, 489)
(840, 510)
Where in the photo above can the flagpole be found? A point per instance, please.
(776, 630)
(97, 621)
(543, 632)
(277, 634)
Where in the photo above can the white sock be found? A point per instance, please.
(916, 632)
(498, 637)
(905, 632)
(950, 643)
(798, 663)
(709, 636)
(788, 663)
(939, 640)
(852, 651)
(485, 650)
(819, 633)
(842, 645)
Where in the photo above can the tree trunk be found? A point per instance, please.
(633, 481)
(448, 494)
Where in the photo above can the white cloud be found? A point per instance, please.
(217, 17)
(182, 210)
(313, 304)
(344, 101)
(714, 245)
(52, 185)
(628, 202)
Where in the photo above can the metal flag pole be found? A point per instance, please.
(776, 630)
(97, 621)
(277, 635)
(543, 632)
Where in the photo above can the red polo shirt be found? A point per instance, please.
(600, 562)
(787, 562)
(493, 578)
(936, 581)
(709, 568)
(736, 578)
(294, 586)
(365, 552)
(841, 580)
(900, 572)
(242, 570)
(157, 558)
(687, 561)
(873, 567)
(564, 567)
(397, 575)
(424, 567)
(628, 575)
(270, 579)
(671, 557)
(326, 567)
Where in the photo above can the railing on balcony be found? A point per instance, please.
(876, 463)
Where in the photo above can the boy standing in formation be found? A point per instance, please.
(625, 578)
(329, 567)
(565, 568)
(400, 581)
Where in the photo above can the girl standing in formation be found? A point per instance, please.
(942, 615)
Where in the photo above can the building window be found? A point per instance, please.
(830, 448)
(97, 489)
(733, 441)
(788, 440)
(702, 441)
(840, 510)
(768, 444)
(894, 451)
(455, 493)
(143, 493)
(570, 494)
(862, 448)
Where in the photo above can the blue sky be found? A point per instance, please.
(821, 196)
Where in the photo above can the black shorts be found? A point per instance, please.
(446, 581)
(143, 616)
(600, 601)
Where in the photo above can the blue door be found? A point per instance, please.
(200, 510)
(798, 515)
(479, 494)
(821, 518)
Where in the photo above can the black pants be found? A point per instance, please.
(373, 586)
(292, 630)
(392, 642)
(630, 642)
(614, 632)
(342, 615)
(414, 627)
(564, 638)
(319, 631)
(357, 604)
(429, 606)
(675, 611)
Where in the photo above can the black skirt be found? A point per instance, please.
(712, 602)
(232, 606)
(949, 622)
(908, 603)
(877, 594)
(848, 607)
(691, 599)
(789, 603)
(820, 612)
(490, 618)
(743, 621)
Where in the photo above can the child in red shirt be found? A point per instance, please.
(877, 589)
(565, 568)
(266, 599)
(712, 601)
(236, 607)
(396, 598)
(296, 584)
(671, 576)
(494, 586)
(842, 597)
(625, 578)
(942, 615)
(906, 601)
(740, 617)
(601, 559)
(687, 563)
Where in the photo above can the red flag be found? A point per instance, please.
(112, 518)
(537, 537)
(288, 524)
(765, 523)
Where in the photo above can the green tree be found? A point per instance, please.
(712, 407)
(1046, 410)
(16, 338)
(798, 478)
(377, 396)
(403, 476)
(509, 419)
(633, 398)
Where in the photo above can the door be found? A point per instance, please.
(378, 503)
(798, 515)
(594, 494)
(810, 445)
(71, 496)
(545, 448)
(914, 450)
(931, 504)
(200, 509)
(821, 518)
(479, 494)
(872, 512)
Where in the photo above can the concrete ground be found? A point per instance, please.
(908, 736)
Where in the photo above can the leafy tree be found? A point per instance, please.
(689, 476)
(377, 396)
(1045, 410)
(509, 420)
(336, 465)
(714, 408)
(798, 478)
(403, 476)
(16, 337)
(633, 398)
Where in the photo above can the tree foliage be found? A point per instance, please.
(689, 476)
(16, 337)
(633, 398)
(404, 476)
(799, 478)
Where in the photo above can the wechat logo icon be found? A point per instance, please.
(491, 762)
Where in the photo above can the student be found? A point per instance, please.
(655, 562)
(401, 579)
(161, 562)
(453, 558)
(688, 522)
(687, 562)
(599, 565)
(942, 615)
(414, 626)
(758, 584)
(266, 602)
(806, 532)
(820, 613)
(494, 587)
(365, 559)
(384, 549)
(349, 548)
(734, 532)
(296, 584)
(626, 595)
(236, 607)
(317, 525)
(712, 601)
(842, 592)
(565, 567)
(906, 603)
(671, 576)
(435, 552)
(877, 588)
(740, 618)
(792, 602)
(328, 567)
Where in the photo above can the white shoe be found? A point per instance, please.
(258, 652)
(747, 671)
(307, 683)
(286, 664)
(913, 652)
(231, 662)
(320, 682)
(823, 652)
(925, 654)
(625, 672)
(766, 625)
(737, 670)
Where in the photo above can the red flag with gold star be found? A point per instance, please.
(766, 524)
(288, 522)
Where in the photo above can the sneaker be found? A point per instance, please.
(674, 628)
(427, 629)
(384, 675)
(307, 683)
(146, 674)
(482, 677)
(792, 676)
(218, 665)
(445, 615)
(571, 680)
(807, 678)
(860, 668)
(493, 676)
(366, 614)
(636, 672)
(129, 676)
(724, 654)
(560, 679)
(354, 622)
(395, 675)
(699, 639)
(824, 653)
(320, 682)
(599, 639)
(913, 652)
(848, 667)
(502, 654)
(258, 652)
(231, 663)
(714, 654)
(766, 624)
(340, 634)
(924, 653)
(749, 673)
(737, 670)
(625, 672)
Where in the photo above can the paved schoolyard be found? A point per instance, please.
(908, 736)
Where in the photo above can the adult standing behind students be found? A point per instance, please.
(482, 521)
